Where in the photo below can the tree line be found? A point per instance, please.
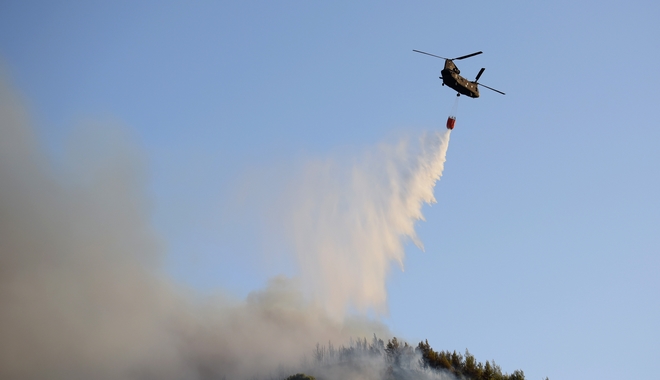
(464, 366)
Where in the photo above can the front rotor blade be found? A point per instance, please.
(479, 75)
(432, 55)
(490, 88)
(469, 55)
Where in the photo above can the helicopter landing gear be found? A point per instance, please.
(458, 94)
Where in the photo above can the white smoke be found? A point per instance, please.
(83, 294)
(350, 222)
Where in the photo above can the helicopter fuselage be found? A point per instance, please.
(451, 77)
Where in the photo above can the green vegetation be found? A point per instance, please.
(300, 376)
(464, 366)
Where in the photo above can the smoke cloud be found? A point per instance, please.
(83, 294)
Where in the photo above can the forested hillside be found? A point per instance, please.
(397, 360)
(463, 366)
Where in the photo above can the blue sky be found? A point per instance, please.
(542, 251)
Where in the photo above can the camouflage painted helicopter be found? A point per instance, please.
(451, 76)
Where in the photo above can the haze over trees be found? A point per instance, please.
(397, 360)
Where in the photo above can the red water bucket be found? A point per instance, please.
(451, 120)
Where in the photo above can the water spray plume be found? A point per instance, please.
(351, 222)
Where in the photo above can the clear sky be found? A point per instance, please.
(543, 251)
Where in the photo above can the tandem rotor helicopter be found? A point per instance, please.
(451, 76)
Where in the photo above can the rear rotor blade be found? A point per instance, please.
(469, 55)
(490, 88)
(432, 55)
(479, 75)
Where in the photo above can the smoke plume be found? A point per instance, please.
(83, 294)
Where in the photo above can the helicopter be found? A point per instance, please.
(452, 78)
